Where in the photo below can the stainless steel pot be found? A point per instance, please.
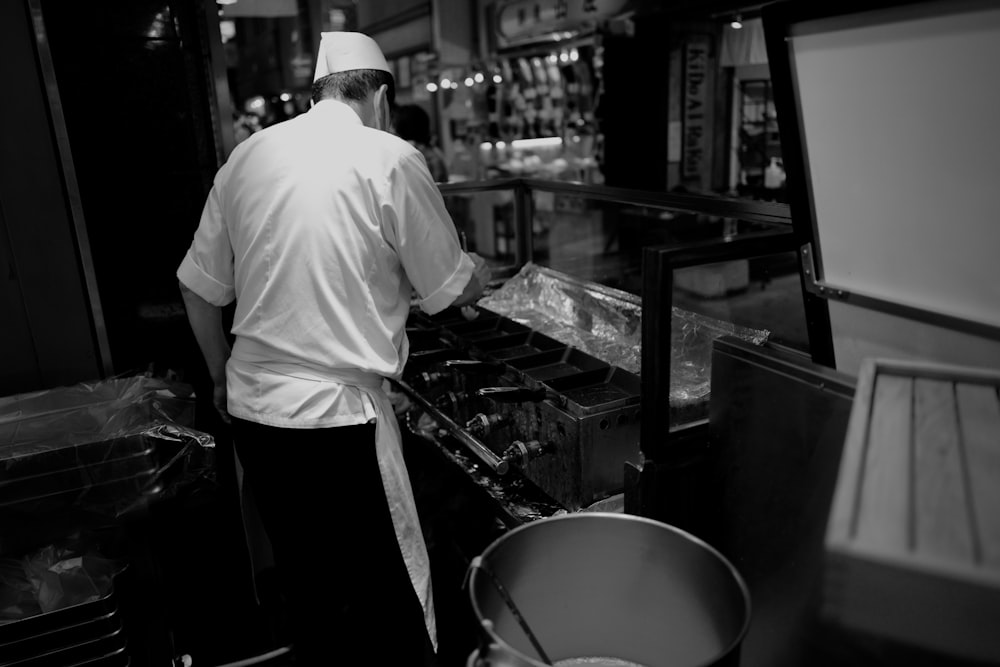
(607, 589)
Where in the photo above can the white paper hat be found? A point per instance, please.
(343, 51)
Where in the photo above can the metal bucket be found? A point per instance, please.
(602, 589)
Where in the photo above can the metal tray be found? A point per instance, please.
(450, 315)
(118, 658)
(59, 639)
(39, 624)
(552, 364)
(94, 651)
(43, 484)
(24, 458)
(485, 327)
(515, 345)
(104, 492)
(423, 339)
(598, 390)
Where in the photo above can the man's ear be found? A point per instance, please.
(383, 114)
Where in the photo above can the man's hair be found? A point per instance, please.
(353, 85)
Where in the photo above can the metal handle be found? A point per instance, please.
(513, 394)
(477, 563)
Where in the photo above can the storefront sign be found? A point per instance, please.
(696, 111)
(526, 18)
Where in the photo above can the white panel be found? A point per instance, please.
(901, 122)
(859, 334)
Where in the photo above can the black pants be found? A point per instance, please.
(320, 497)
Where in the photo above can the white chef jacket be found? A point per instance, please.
(319, 228)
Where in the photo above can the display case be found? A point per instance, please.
(546, 382)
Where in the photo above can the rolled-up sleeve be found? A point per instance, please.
(422, 232)
(207, 268)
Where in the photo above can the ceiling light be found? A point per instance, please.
(737, 22)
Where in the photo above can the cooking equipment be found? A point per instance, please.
(518, 398)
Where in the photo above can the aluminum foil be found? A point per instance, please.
(607, 323)
(603, 322)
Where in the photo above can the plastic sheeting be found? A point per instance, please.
(603, 322)
(607, 323)
(103, 449)
(58, 576)
(75, 464)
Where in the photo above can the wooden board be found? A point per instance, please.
(913, 538)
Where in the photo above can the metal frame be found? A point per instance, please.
(779, 19)
(724, 207)
(61, 137)
(748, 210)
(658, 266)
(825, 290)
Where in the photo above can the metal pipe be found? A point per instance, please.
(481, 451)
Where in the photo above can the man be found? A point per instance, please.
(320, 228)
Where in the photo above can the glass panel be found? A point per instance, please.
(761, 172)
(761, 293)
(485, 223)
(602, 241)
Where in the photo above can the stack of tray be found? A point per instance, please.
(95, 474)
(88, 634)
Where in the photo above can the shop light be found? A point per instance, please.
(574, 55)
(564, 57)
(432, 87)
(497, 78)
(737, 22)
(446, 83)
(479, 77)
(540, 142)
(501, 144)
(469, 81)
(553, 58)
(285, 97)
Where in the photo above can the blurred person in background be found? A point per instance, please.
(320, 228)
(412, 123)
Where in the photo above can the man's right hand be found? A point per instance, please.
(481, 276)
(482, 273)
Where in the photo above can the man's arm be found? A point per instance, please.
(206, 323)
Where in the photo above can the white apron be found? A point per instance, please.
(395, 483)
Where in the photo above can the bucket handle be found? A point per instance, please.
(477, 563)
